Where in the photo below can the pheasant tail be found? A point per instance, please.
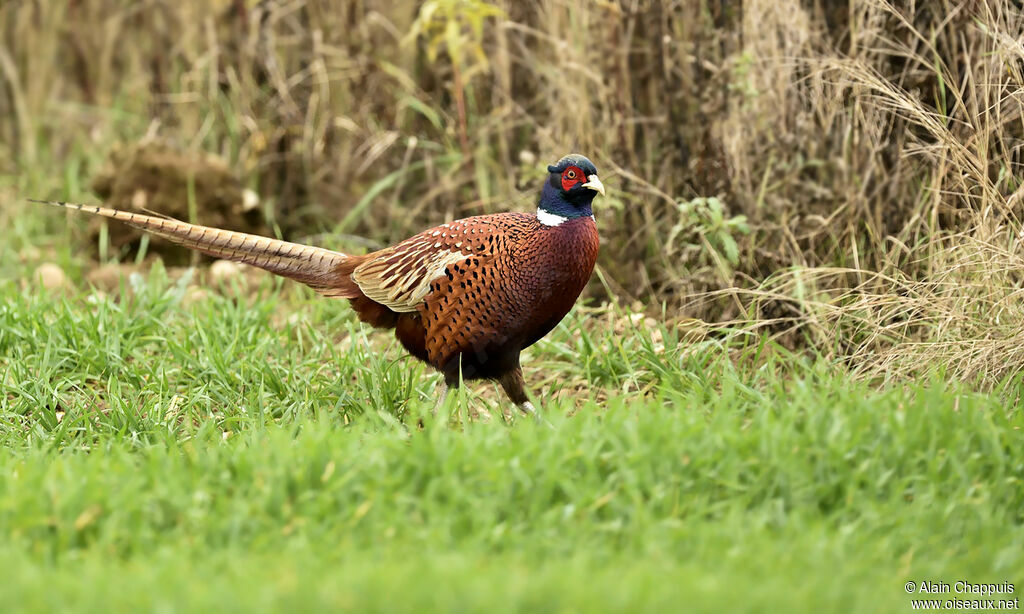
(326, 271)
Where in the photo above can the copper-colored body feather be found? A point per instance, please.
(465, 297)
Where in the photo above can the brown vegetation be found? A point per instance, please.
(842, 173)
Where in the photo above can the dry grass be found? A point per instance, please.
(931, 254)
(872, 147)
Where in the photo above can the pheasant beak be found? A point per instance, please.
(594, 184)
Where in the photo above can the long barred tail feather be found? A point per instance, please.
(325, 271)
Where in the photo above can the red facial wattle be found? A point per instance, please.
(572, 176)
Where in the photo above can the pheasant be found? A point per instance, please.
(465, 297)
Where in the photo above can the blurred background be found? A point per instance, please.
(842, 174)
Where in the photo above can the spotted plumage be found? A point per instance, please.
(466, 297)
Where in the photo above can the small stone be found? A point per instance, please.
(140, 199)
(30, 253)
(51, 276)
(223, 270)
(193, 295)
(109, 276)
(250, 200)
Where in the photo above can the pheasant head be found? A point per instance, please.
(569, 190)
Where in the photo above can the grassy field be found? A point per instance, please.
(172, 453)
(834, 188)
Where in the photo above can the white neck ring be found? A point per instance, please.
(549, 219)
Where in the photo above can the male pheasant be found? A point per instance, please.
(465, 297)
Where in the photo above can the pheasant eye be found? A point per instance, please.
(571, 177)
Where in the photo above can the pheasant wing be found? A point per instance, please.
(400, 277)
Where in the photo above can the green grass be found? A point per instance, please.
(255, 450)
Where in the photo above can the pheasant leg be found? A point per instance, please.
(512, 384)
